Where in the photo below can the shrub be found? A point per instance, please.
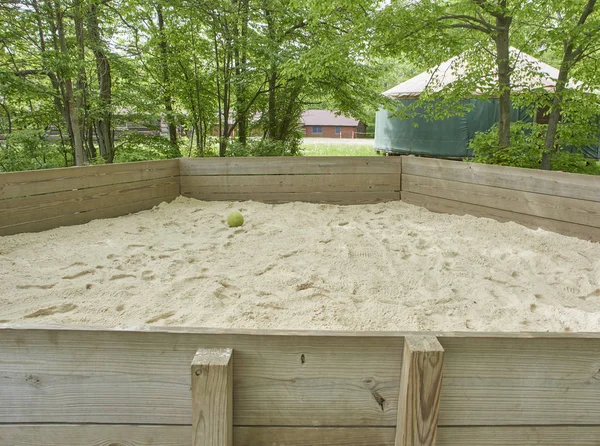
(265, 147)
(135, 146)
(526, 149)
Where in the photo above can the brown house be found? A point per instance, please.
(325, 124)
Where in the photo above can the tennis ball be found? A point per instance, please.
(235, 219)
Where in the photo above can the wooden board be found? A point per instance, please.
(291, 379)
(290, 165)
(570, 185)
(84, 217)
(40, 207)
(291, 183)
(143, 377)
(442, 205)
(141, 435)
(420, 385)
(493, 381)
(212, 397)
(39, 182)
(338, 180)
(571, 210)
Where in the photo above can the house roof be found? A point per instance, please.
(326, 118)
(453, 69)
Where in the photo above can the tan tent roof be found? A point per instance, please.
(327, 118)
(448, 72)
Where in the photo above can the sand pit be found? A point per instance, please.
(390, 266)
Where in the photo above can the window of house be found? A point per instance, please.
(338, 130)
(317, 129)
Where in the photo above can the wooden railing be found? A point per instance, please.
(61, 386)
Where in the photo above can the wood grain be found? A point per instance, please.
(489, 379)
(40, 207)
(443, 205)
(583, 212)
(290, 165)
(85, 217)
(341, 198)
(143, 377)
(420, 384)
(212, 397)
(39, 182)
(562, 184)
(164, 435)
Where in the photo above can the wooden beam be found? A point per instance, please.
(420, 386)
(212, 397)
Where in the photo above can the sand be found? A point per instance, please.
(390, 266)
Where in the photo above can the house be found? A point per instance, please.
(450, 137)
(326, 124)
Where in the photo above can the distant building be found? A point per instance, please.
(325, 124)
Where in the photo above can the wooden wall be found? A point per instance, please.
(46, 199)
(556, 201)
(340, 180)
(99, 387)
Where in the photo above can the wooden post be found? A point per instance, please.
(420, 386)
(212, 397)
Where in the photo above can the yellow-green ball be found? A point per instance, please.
(235, 219)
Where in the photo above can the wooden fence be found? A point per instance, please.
(137, 387)
(46, 199)
(339, 180)
(557, 201)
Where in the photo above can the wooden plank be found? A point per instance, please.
(212, 397)
(563, 184)
(40, 207)
(342, 198)
(503, 381)
(582, 212)
(84, 217)
(420, 385)
(293, 379)
(38, 182)
(291, 183)
(164, 435)
(442, 205)
(143, 377)
(290, 165)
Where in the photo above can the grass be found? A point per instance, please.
(339, 149)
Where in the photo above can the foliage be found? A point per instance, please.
(30, 150)
(526, 149)
(265, 147)
(134, 146)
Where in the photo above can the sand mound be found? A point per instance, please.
(388, 266)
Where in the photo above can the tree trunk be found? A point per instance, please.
(240, 57)
(104, 123)
(569, 58)
(81, 93)
(164, 54)
(272, 104)
(69, 102)
(503, 61)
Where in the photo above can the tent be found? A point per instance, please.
(449, 138)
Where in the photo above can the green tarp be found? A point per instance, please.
(448, 138)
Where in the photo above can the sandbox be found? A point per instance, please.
(388, 266)
(97, 339)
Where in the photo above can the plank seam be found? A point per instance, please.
(500, 209)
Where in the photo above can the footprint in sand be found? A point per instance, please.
(121, 276)
(160, 317)
(40, 287)
(79, 274)
(148, 275)
(73, 264)
(65, 308)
